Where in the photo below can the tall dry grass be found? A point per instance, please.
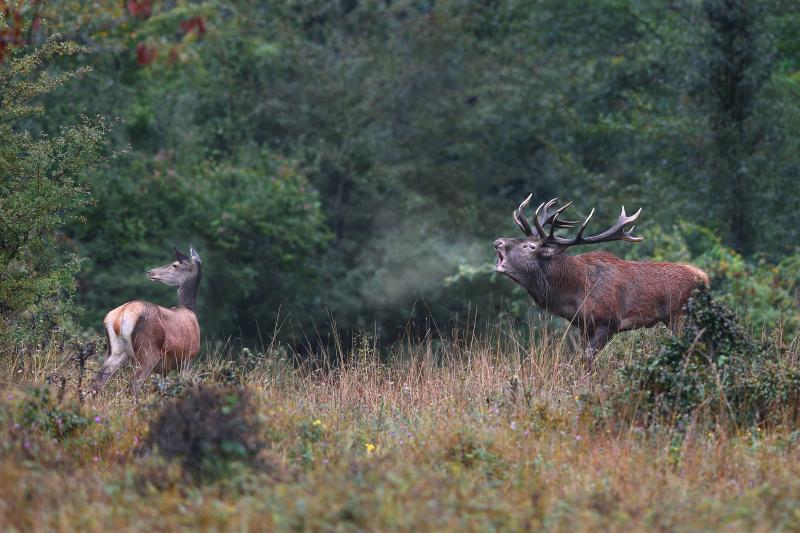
(475, 431)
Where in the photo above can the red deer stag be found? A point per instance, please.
(598, 292)
(156, 338)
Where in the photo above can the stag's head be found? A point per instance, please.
(517, 257)
(176, 274)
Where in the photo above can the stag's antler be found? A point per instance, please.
(616, 232)
(542, 220)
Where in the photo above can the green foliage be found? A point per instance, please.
(412, 129)
(466, 450)
(310, 434)
(232, 368)
(211, 430)
(40, 412)
(39, 193)
(255, 220)
(712, 372)
(763, 291)
(167, 387)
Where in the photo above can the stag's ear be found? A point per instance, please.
(179, 256)
(195, 255)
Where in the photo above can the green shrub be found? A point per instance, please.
(41, 412)
(713, 372)
(254, 217)
(765, 291)
(309, 433)
(467, 450)
(170, 386)
(211, 430)
(39, 194)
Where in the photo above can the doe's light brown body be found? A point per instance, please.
(162, 338)
(155, 337)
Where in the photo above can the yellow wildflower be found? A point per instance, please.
(370, 448)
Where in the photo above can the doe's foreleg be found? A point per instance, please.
(147, 359)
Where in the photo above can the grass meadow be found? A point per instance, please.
(484, 432)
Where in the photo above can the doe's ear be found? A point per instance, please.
(179, 256)
(195, 255)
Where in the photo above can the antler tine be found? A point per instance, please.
(550, 204)
(543, 217)
(525, 202)
(555, 223)
(519, 218)
(616, 232)
(627, 235)
(537, 221)
(561, 209)
(579, 236)
(552, 218)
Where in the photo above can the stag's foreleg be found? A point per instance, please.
(596, 338)
(676, 324)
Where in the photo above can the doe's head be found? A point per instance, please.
(175, 274)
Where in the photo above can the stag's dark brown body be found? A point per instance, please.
(601, 288)
(597, 292)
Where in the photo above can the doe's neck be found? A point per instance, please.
(187, 292)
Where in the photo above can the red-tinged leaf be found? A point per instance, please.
(145, 54)
(140, 8)
(196, 24)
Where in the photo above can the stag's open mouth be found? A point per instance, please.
(499, 266)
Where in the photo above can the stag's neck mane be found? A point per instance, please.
(552, 278)
(187, 292)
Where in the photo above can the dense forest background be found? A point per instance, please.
(352, 161)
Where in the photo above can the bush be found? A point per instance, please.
(40, 412)
(466, 449)
(39, 194)
(766, 291)
(211, 430)
(254, 217)
(713, 372)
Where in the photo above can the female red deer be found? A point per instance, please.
(156, 338)
(598, 292)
